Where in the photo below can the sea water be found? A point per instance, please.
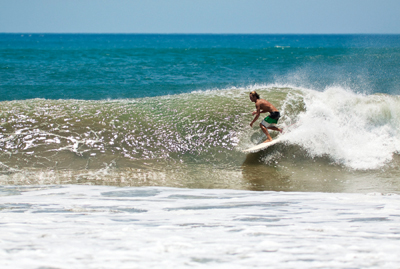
(160, 122)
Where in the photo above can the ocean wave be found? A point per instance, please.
(353, 130)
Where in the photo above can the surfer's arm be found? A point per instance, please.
(256, 117)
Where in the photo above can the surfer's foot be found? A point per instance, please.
(268, 140)
(280, 130)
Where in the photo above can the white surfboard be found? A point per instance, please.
(263, 145)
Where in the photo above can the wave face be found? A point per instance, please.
(195, 139)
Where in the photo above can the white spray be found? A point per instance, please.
(356, 130)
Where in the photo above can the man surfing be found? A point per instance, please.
(270, 121)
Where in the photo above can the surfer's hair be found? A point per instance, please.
(253, 93)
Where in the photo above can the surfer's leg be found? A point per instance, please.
(275, 128)
(264, 129)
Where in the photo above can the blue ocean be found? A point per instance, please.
(126, 151)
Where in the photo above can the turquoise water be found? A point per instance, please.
(97, 67)
(173, 110)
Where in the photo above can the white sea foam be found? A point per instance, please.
(356, 130)
(109, 227)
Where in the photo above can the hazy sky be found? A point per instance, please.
(200, 16)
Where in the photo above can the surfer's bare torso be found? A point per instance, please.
(262, 106)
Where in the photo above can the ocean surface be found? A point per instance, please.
(132, 146)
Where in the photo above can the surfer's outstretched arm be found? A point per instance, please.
(257, 113)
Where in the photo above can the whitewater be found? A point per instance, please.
(151, 227)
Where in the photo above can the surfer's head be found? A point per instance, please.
(254, 96)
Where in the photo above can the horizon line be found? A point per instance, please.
(138, 33)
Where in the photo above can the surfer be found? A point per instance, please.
(270, 121)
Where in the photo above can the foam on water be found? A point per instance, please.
(109, 227)
(356, 130)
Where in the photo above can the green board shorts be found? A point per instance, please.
(271, 120)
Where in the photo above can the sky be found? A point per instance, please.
(201, 16)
